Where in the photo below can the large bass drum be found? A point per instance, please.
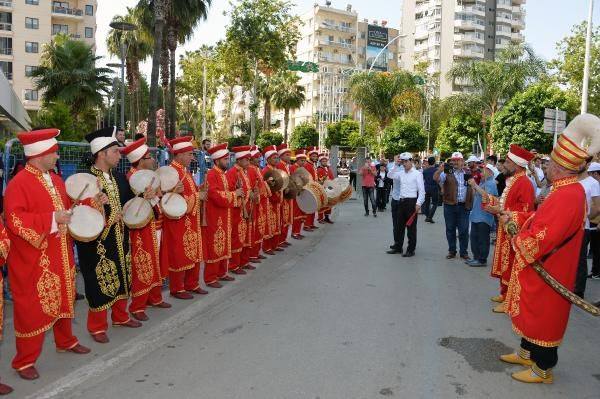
(86, 223)
(137, 213)
(312, 198)
(333, 191)
(173, 206)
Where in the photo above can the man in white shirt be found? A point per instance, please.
(409, 198)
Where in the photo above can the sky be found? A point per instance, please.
(547, 21)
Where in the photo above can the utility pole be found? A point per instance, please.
(586, 68)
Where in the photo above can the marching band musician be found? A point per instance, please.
(146, 276)
(287, 205)
(219, 217)
(105, 261)
(259, 212)
(325, 173)
(273, 205)
(299, 216)
(240, 233)
(311, 166)
(36, 208)
(184, 235)
(4, 249)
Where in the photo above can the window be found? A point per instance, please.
(363, 35)
(60, 4)
(7, 69)
(32, 2)
(6, 45)
(58, 28)
(89, 33)
(32, 47)
(89, 10)
(29, 69)
(31, 95)
(32, 23)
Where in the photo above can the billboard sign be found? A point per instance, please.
(377, 38)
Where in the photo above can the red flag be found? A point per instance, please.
(411, 220)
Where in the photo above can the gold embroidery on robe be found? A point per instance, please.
(143, 262)
(106, 274)
(28, 235)
(48, 287)
(219, 239)
(242, 231)
(190, 241)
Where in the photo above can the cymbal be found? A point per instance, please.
(292, 190)
(274, 179)
(301, 177)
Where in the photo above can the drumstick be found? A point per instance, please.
(171, 196)
(79, 196)
(142, 203)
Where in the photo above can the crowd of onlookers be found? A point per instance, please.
(463, 212)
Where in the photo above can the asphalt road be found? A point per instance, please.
(333, 316)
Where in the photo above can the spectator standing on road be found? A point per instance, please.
(368, 173)
(381, 183)
(501, 178)
(458, 201)
(594, 171)
(353, 167)
(482, 222)
(432, 190)
(120, 136)
(473, 165)
(408, 201)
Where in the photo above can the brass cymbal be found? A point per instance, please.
(301, 177)
(292, 190)
(274, 179)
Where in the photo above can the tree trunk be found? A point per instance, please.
(267, 115)
(159, 8)
(286, 120)
(253, 106)
(172, 41)
(164, 76)
(138, 93)
(130, 93)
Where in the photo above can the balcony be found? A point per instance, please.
(473, 10)
(518, 10)
(469, 38)
(67, 13)
(517, 37)
(4, 26)
(334, 27)
(518, 23)
(348, 46)
(468, 24)
(467, 53)
(6, 51)
(6, 4)
(504, 5)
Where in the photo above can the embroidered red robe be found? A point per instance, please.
(240, 232)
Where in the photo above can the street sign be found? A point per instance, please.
(551, 126)
(550, 113)
(303, 66)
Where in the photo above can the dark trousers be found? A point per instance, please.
(457, 217)
(595, 245)
(353, 180)
(381, 198)
(402, 210)
(431, 203)
(545, 358)
(480, 241)
(369, 194)
(582, 269)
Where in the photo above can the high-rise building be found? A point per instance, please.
(26, 25)
(441, 32)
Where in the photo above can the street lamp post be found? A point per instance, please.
(586, 68)
(123, 27)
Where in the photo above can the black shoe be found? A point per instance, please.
(408, 254)
(366, 213)
(451, 255)
(394, 251)
(374, 214)
(395, 247)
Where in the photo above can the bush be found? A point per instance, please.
(304, 135)
(403, 135)
(269, 138)
(459, 133)
(58, 115)
(236, 141)
(339, 133)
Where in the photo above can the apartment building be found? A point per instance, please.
(26, 25)
(444, 31)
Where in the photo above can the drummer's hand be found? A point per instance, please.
(239, 192)
(202, 195)
(101, 198)
(178, 188)
(504, 217)
(62, 217)
(118, 218)
(149, 193)
(254, 196)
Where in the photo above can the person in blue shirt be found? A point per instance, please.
(482, 223)
(432, 190)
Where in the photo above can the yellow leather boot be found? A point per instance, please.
(535, 375)
(522, 357)
(497, 298)
(499, 308)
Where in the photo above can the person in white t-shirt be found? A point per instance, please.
(594, 172)
(592, 194)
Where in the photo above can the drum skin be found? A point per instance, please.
(138, 213)
(141, 179)
(75, 183)
(169, 177)
(312, 198)
(173, 208)
(86, 223)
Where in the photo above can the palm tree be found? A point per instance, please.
(68, 73)
(495, 82)
(182, 17)
(140, 42)
(286, 95)
(384, 95)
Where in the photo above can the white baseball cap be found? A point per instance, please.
(456, 155)
(405, 156)
(490, 167)
(472, 158)
(594, 167)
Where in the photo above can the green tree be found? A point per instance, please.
(68, 73)
(459, 133)
(383, 95)
(58, 114)
(521, 121)
(403, 135)
(338, 133)
(287, 95)
(236, 141)
(496, 81)
(139, 42)
(265, 34)
(568, 67)
(269, 138)
(304, 135)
